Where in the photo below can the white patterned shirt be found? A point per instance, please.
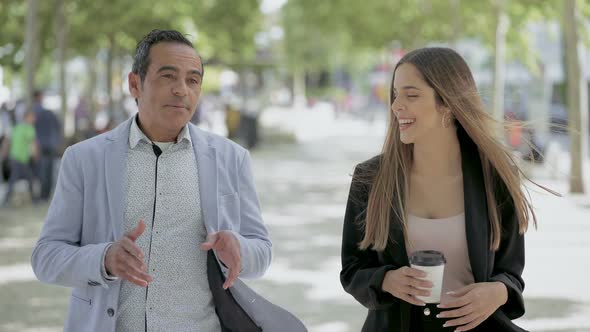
(179, 298)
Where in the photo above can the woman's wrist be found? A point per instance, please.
(503, 292)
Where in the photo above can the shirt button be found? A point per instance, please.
(110, 312)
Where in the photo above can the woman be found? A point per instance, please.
(441, 183)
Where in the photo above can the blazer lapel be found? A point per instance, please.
(398, 254)
(207, 164)
(476, 209)
(115, 162)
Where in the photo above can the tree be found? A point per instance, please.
(226, 30)
(577, 97)
(31, 40)
(502, 24)
(222, 30)
(61, 36)
(318, 33)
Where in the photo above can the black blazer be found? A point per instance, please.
(363, 270)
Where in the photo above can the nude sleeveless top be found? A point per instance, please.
(448, 236)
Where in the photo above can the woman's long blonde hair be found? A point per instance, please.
(445, 71)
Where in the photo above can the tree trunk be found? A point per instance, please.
(299, 97)
(502, 23)
(31, 41)
(110, 56)
(456, 24)
(577, 96)
(91, 93)
(121, 90)
(539, 103)
(61, 60)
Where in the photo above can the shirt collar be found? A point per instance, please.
(136, 135)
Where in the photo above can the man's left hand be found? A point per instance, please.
(227, 249)
(474, 303)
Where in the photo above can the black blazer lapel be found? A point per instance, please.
(476, 208)
(241, 309)
(231, 315)
(397, 253)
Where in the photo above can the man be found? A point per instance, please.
(21, 148)
(173, 190)
(5, 128)
(48, 131)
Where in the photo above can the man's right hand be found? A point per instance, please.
(124, 259)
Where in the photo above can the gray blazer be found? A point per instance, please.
(87, 213)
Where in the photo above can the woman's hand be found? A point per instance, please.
(404, 283)
(474, 303)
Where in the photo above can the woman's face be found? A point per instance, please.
(414, 105)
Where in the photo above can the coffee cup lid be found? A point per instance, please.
(427, 258)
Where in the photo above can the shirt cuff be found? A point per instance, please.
(107, 277)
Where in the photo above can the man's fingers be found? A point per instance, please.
(135, 280)
(136, 232)
(234, 272)
(141, 275)
(231, 278)
(228, 252)
(130, 269)
(132, 248)
(211, 242)
(126, 262)
(130, 261)
(206, 246)
(212, 238)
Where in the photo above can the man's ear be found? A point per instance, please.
(134, 84)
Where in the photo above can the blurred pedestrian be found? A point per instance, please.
(21, 148)
(48, 129)
(81, 115)
(443, 183)
(5, 128)
(251, 89)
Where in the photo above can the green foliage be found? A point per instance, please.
(316, 32)
(225, 29)
(229, 28)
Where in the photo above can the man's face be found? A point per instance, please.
(169, 94)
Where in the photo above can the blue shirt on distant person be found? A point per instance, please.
(47, 127)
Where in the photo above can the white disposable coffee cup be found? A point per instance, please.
(433, 263)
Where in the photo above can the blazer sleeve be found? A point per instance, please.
(58, 257)
(509, 260)
(362, 275)
(255, 245)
